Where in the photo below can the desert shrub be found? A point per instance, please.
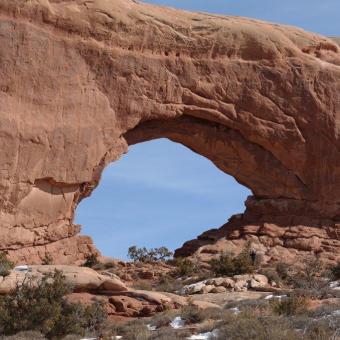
(163, 319)
(170, 334)
(134, 330)
(271, 274)
(40, 306)
(244, 262)
(91, 261)
(260, 304)
(191, 314)
(185, 267)
(324, 310)
(292, 305)
(335, 271)
(308, 281)
(149, 255)
(142, 285)
(224, 265)
(307, 277)
(28, 335)
(324, 329)
(5, 265)
(210, 314)
(169, 284)
(282, 270)
(229, 265)
(47, 260)
(247, 326)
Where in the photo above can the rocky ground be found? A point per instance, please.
(158, 301)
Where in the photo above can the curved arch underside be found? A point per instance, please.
(80, 81)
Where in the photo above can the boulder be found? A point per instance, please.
(219, 289)
(207, 289)
(261, 279)
(222, 281)
(81, 279)
(193, 288)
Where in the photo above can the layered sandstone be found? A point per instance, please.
(80, 81)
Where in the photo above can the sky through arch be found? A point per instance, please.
(159, 194)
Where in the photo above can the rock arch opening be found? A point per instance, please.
(159, 194)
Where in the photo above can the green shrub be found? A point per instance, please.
(5, 265)
(307, 280)
(91, 261)
(191, 314)
(134, 330)
(163, 319)
(47, 260)
(185, 267)
(40, 306)
(335, 271)
(292, 305)
(282, 270)
(228, 265)
(149, 255)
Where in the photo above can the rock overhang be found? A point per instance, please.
(81, 80)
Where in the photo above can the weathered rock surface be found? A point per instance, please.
(237, 283)
(81, 279)
(80, 81)
(287, 238)
(87, 285)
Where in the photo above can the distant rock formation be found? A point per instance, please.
(80, 81)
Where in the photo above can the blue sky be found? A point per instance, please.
(161, 193)
(322, 16)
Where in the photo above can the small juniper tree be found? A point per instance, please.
(149, 255)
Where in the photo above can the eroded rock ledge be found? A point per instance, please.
(80, 81)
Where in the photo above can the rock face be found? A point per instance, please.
(236, 283)
(80, 81)
(289, 238)
(81, 279)
(88, 285)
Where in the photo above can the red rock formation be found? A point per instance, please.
(82, 80)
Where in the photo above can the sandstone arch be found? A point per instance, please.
(80, 80)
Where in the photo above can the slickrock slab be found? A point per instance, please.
(81, 279)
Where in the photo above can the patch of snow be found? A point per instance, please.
(334, 284)
(336, 312)
(271, 296)
(235, 310)
(203, 336)
(177, 323)
(23, 268)
(150, 327)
